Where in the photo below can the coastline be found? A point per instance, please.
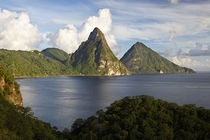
(93, 75)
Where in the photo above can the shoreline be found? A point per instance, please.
(94, 75)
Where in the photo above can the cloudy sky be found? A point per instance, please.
(177, 29)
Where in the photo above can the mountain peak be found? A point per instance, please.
(96, 34)
(139, 44)
(142, 59)
(94, 57)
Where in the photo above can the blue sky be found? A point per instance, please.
(177, 29)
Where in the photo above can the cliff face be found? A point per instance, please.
(9, 88)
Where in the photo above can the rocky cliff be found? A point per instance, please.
(9, 88)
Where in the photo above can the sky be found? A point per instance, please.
(177, 29)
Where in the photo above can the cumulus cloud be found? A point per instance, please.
(16, 31)
(69, 37)
(185, 61)
(192, 63)
(174, 1)
(103, 21)
(66, 38)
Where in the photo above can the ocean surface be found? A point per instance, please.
(61, 100)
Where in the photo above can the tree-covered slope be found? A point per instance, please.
(94, 57)
(31, 64)
(17, 122)
(56, 54)
(144, 118)
(141, 59)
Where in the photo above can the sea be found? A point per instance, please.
(62, 100)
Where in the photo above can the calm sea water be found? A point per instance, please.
(61, 100)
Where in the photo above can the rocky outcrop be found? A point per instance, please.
(10, 89)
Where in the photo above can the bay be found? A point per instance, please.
(61, 100)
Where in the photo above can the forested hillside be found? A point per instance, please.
(140, 59)
(32, 64)
(144, 118)
(56, 54)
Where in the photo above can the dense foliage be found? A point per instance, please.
(141, 59)
(32, 64)
(19, 123)
(7, 75)
(142, 117)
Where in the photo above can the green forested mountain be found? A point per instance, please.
(56, 54)
(94, 57)
(143, 118)
(141, 59)
(32, 63)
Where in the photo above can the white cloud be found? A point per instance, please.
(69, 37)
(174, 1)
(103, 21)
(16, 31)
(185, 61)
(192, 63)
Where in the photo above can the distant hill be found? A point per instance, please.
(141, 59)
(32, 64)
(94, 57)
(56, 54)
